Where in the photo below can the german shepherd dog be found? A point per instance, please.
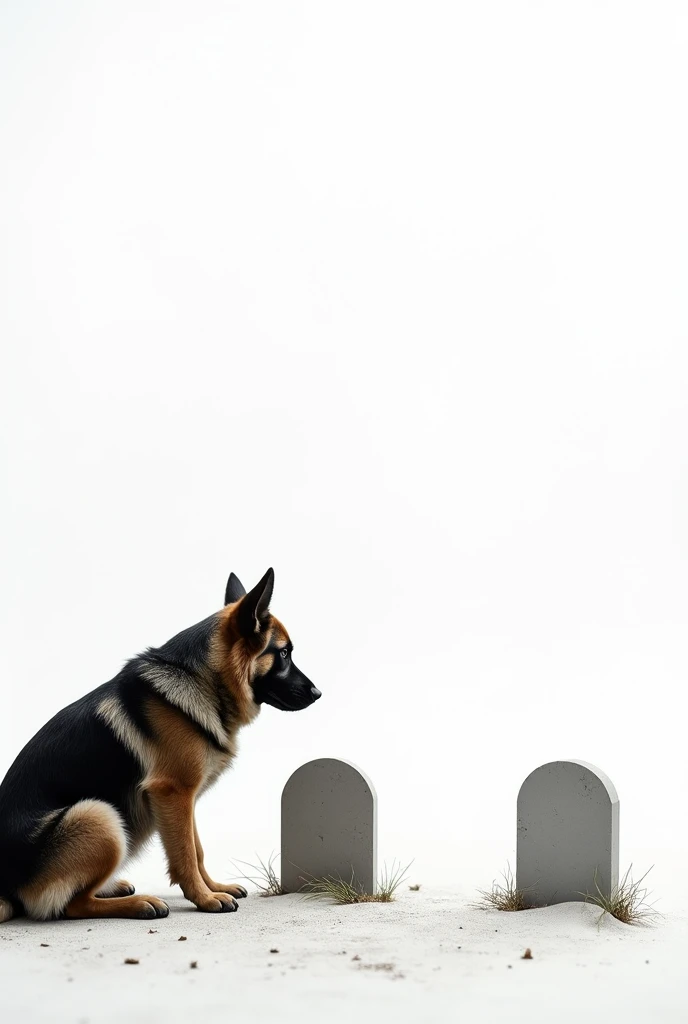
(132, 757)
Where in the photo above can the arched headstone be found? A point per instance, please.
(568, 833)
(329, 825)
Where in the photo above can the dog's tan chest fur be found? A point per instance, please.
(178, 758)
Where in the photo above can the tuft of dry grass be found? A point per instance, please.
(627, 902)
(265, 879)
(338, 890)
(504, 897)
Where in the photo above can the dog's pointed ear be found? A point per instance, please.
(255, 607)
(235, 589)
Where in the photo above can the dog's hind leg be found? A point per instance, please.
(6, 910)
(81, 854)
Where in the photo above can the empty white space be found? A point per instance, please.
(390, 296)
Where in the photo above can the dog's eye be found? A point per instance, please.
(284, 652)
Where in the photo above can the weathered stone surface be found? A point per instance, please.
(568, 833)
(329, 825)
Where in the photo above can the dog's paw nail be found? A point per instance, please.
(219, 903)
(147, 911)
(237, 891)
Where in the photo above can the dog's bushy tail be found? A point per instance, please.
(6, 910)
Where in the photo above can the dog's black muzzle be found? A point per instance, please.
(289, 691)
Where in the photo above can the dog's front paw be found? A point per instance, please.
(237, 891)
(217, 903)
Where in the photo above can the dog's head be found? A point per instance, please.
(260, 646)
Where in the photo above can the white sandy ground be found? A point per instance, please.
(427, 957)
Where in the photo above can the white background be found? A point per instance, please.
(390, 296)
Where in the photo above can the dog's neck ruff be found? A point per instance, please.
(192, 694)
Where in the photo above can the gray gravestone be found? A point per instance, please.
(568, 833)
(329, 825)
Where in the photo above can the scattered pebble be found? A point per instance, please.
(45, 943)
(527, 955)
(274, 950)
(194, 963)
(414, 888)
(509, 966)
(152, 931)
(356, 957)
(182, 938)
(131, 960)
